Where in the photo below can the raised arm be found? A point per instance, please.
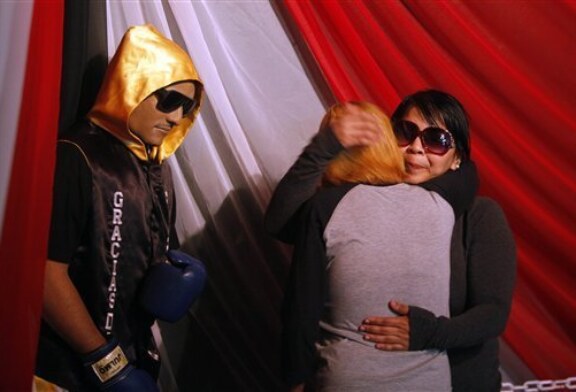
(354, 127)
(299, 184)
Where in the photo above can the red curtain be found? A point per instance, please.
(512, 64)
(27, 213)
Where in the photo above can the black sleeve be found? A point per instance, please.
(303, 302)
(457, 187)
(299, 184)
(491, 264)
(307, 286)
(71, 202)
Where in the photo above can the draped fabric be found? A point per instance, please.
(14, 33)
(508, 61)
(32, 38)
(512, 65)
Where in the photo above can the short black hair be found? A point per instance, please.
(439, 108)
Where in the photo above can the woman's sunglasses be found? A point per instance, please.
(169, 100)
(435, 140)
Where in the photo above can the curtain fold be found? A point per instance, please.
(23, 241)
(15, 21)
(512, 65)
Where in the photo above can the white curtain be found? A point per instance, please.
(259, 112)
(15, 21)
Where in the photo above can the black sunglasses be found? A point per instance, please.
(435, 140)
(170, 100)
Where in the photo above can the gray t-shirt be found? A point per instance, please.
(383, 243)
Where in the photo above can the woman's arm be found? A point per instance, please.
(299, 184)
(304, 299)
(354, 127)
(307, 287)
(491, 272)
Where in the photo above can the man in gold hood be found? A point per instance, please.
(113, 218)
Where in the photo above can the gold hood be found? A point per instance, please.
(144, 62)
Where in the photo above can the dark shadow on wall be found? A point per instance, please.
(230, 340)
(84, 59)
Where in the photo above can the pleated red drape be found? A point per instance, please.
(27, 213)
(512, 64)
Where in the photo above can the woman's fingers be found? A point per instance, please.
(388, 333)
(394, 321)
(390, 341)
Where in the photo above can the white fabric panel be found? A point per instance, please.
(122, 14)
(247, 61)
(259, 111)
(15, 22)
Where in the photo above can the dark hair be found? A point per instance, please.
(439, 108)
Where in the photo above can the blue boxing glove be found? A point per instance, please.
(170, 288)
(109, 369)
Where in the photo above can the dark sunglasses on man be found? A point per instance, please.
(435, 140)
(169, 100)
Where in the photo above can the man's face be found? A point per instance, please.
(152, 125)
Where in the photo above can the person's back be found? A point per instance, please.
(383, 242)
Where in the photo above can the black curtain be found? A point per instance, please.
(84, 59)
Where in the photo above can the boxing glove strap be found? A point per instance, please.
(109, 365)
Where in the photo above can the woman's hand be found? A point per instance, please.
(389, 333)
(355, 127)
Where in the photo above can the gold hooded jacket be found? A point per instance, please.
(144, 62)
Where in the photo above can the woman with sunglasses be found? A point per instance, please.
(482, 270)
